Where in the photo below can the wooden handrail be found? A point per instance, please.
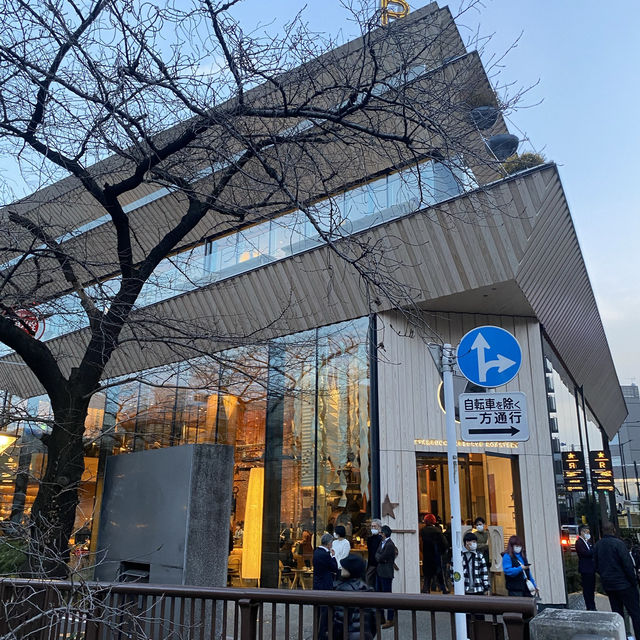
(515, 612)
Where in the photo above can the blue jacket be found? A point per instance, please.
(585, 556)
(325, 569)
(514, 577)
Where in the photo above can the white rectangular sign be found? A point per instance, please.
(499, 417)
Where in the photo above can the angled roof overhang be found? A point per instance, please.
(509, 248)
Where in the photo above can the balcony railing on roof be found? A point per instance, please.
(363, 207)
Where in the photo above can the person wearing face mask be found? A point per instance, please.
(340, 546)
(517, 569)
(482, 533)
(474, 567)
(373, 542)
(586, 567)
(385, 557)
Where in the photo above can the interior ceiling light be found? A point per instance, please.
(6, 440)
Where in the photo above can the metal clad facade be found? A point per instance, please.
(486, 239)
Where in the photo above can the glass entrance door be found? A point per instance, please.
(489, 488)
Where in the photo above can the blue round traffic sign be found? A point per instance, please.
(489, 356)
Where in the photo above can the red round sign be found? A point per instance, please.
(34, 325)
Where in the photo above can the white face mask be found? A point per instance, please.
(517, 549)
(473, 546)
(335, 536)
(374, 532)
(587, 536)
(479, 527)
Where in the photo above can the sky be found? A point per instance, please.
(585, 58)
(581, 61)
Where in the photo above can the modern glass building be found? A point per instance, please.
(331, 399)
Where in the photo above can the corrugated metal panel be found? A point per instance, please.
(451, 251)
(554, 279)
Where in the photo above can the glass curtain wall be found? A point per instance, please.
(23, 463)
(362, 207)
(296, 411)
(573, 429)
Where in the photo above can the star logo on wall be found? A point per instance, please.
(388, 507)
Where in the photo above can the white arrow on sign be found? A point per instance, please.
(502, 362)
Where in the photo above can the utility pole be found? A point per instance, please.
(447, 365)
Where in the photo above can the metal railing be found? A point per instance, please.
(56, 610)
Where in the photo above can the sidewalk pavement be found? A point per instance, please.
(576, 601)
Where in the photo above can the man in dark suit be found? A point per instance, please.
(386, 558)
(325, 570)
(584, 549)
(373, 542)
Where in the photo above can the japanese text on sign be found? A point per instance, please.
(494, 416)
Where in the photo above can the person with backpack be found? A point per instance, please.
(351, 577)
(517, 570)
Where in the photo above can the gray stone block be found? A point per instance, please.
(571, 624)
(167, 511)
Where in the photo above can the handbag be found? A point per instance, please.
(529, 583)
(530, 586)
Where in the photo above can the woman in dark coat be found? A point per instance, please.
(386, 557)
(434, 544)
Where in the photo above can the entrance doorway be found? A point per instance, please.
(489, 487)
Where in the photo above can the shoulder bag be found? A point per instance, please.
(530, 585)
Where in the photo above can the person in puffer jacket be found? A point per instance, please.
(613, 562)
(351, 579)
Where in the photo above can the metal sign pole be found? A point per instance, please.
(448, 361)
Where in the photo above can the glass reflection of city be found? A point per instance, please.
(296, 411)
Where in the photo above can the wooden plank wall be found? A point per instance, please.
(409, 410)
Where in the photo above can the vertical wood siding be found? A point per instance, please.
(409, 410)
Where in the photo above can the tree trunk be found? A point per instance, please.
(53, 511)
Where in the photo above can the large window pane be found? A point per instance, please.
(343, 455)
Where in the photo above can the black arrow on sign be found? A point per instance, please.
(487, 432)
